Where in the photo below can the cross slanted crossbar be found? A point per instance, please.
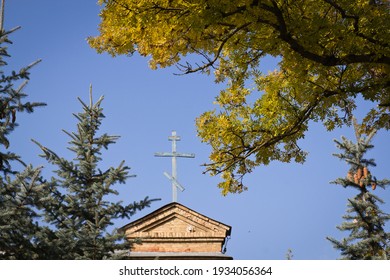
(174, 155)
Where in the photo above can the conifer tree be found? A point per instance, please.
(79, 209)
(21, 190)
(364, 220)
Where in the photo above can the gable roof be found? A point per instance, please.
(184, 222)
(175, 231)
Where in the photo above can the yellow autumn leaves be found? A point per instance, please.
(330, 52)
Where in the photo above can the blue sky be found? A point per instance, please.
(287, 205)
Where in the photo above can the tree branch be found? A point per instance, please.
(326, 60)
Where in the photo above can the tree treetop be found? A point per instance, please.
(330, 53)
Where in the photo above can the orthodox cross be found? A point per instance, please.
(174, 155)
(2, 15)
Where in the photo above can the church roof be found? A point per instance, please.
(176, 211)
(174, 230)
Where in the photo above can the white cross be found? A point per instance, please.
(174, 155)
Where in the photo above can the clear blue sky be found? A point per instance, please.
(286, 206)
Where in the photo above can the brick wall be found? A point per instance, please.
(177, 246)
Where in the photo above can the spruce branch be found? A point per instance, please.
(364, 219)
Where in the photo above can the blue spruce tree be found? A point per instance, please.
(79, 208)
(22, 192)
(364, 220)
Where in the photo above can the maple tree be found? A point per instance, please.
(330, 53)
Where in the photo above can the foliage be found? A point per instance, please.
(81, 207)
(21, 191)
(11, 102)
(364, 219)
(330, 53)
